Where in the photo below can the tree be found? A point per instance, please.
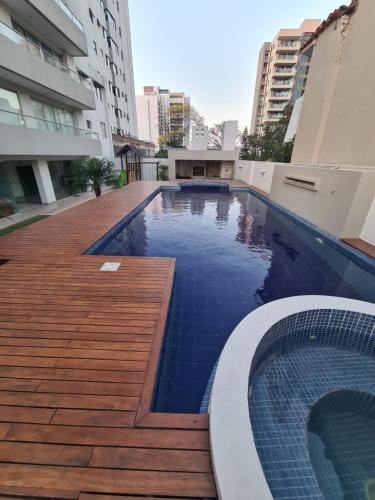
(176, 123)
(92, 172)
(215, 136)
(245, 143)
(270, 145)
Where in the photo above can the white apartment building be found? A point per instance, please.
(281, 74)
(66, 85)
(154, 117)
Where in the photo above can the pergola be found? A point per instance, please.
(133, 163)
(132, 168)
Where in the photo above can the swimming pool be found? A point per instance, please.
(233, 253)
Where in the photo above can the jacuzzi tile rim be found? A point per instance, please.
(347, 330)
(242, 477)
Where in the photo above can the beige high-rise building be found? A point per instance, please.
(281, 74)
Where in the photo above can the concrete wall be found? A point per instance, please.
(199, 138)
(341, 204)
(336, 124)
(228, 141)
(185, 154)
(368, 229)
(22, 68)
(294, 120)
(255, 173)
(148, 117)
(27, 143)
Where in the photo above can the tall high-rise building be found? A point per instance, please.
(281, 75)
(159, 112)
(66, 85)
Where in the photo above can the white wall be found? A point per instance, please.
(294, 120)
(228, 142)
(368, 230)
(255, 173)
(148, 118)
(199, 138)
(339, 206)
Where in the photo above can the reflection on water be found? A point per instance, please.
(233, 254)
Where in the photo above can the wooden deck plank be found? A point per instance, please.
(79, 352)
(106, 436)
(108, 480)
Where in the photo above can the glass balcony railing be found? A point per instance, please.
(70, 14)
(37, 51)
(20, 120)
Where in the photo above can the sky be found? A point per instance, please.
(209, 48)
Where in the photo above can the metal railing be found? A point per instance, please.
(37, 51)
(70, 14)
(21, 120)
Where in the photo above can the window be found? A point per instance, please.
(98, 23)
(107, 60)
(118, 113)
(52, 117)
(110, 86)
(102, 52)
(98, 91)
(103, 129)
(10, 108)
(119, 31)
(118, 7)
(89, 124)
(102, 5)
(22, 31)
(122, 55)
(95, 47)
(104, 32)
(110, 18)
(91, 15)
(113, 44)
(114, 68)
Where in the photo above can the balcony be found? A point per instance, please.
(27, 65)
(278, 97)
(27, 136)
(53, 20)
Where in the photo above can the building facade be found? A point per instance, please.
(281, 74)
(66, 84)
(336, 125)
(161, 112)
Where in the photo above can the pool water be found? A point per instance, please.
(341, 440)
(233, 253)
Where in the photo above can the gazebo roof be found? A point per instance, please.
(128, 148)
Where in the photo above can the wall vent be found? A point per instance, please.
(302, 182)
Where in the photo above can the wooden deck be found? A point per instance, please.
(79, 350)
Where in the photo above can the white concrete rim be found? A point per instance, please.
(237, 468)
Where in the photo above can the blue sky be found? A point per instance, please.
(209, 48)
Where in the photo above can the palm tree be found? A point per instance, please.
(94, 172)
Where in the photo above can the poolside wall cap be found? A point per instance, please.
(238, 472)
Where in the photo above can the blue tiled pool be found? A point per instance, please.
(312, 406)
(234, 252)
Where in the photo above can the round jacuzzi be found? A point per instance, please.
(292, 410)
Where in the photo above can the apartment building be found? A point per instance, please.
(159, 112)
(66, 85)
(281, 74)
